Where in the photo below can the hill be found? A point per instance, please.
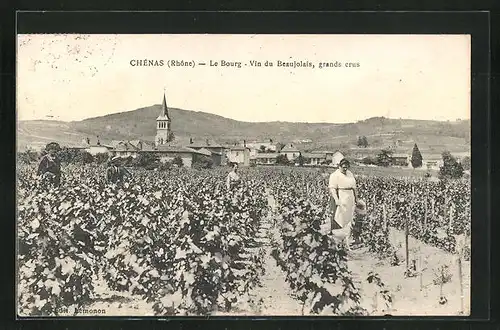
(140, 124)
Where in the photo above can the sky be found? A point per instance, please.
(73, 77)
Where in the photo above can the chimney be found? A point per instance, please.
(190, 140)
(270, 140)
(98, 142)
(244, 143)
(207, 142)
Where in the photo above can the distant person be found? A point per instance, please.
(49, 168)
(116, 173)
(342, 186)
(233, 179)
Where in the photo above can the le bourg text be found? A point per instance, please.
(242, 64)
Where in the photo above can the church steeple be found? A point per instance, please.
(163, 131)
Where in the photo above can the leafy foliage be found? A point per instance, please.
(362, 141)
(384, 158)
(451, 168)
(158, 238)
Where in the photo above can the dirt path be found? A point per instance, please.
(274, 291)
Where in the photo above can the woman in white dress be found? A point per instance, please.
(342, 186)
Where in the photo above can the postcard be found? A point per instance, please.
(243, 175)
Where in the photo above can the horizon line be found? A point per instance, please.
(243, 121)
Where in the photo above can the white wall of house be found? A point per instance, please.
(316, 160)
(125, 153)
(239, 156)
(94, 150)
(265, 161)
(291, 155)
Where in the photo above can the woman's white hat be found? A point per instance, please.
(361, 207)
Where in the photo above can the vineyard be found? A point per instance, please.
(178, 243)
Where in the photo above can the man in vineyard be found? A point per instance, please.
(233, 179)
(115, 173)
(49, 168)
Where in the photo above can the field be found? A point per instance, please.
(178, 243)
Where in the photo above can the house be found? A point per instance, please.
(263, 146)
(267, 158)
(98, 149)
(361, 153)
(215, 156)
(400, 159)
(290, 151)
(332, 158)
(239, 154)
(94, 148)
(143, 145)
(215, 149)
(432, 161)
(313, 159)
(125, 149)
(168, 153)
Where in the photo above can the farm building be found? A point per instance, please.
(125, 149)
(215, 156)
(314, 158)
(266, 146)
(290, 151)
(240, 155)
(168, 153)
(267, 158)
(432, 161)
(216, 150)
(98, 149)
(400, 160)
(94, 148)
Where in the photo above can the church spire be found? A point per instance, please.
(164, 108)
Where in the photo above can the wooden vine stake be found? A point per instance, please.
(406, 240)
(384, 213)
(460, 248)
(451, 212)
(420, 271)
(425, 213)
(461, 283)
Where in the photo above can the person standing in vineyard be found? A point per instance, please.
(49, 168)
(115, 173)
(233, 179)
(342, 186)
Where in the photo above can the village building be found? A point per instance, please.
(290, 151)
(211, 149)
(169, 152)
(267, 146)
(93, 148)
(239, 155)
(314, 159)
(266, 158)
(401, 159)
